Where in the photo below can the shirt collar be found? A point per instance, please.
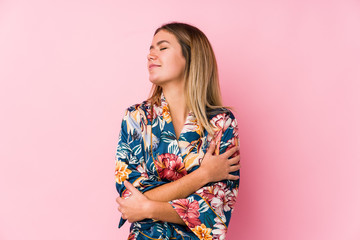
(163, 102)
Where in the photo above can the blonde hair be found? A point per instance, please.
(202, 86)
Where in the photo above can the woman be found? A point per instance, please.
(178, 174)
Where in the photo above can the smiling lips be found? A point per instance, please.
(153, 65)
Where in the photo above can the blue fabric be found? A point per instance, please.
(149, 155)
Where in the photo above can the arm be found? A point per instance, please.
(129, 167)
(138, 207)
(129, 160)
(179, 188)
(210, 208)
(213, 168)
(163, 211)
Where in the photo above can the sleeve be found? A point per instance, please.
(129, 161)
(207, 212)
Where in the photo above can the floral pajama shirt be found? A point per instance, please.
(149, 155)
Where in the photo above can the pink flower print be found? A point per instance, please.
(217, 138)
(219, 230)
(131, 236)
(207, 193)
(141, 168)
(234, 125)
(227, 123)
(170, 166)
(218, 121)
(220, 202)
(232, 143)
(188, 211)
(126, 193)
(231, 198)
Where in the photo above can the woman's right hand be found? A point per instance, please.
(219, 167)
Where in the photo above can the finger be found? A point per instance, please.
(118, 199)
(211, 148)
(234, 168)
(234, 160)
(236, 153)
(230, 152)
(233, 177)
(130, 187)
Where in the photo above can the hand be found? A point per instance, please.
(219, 167)
(135, 207)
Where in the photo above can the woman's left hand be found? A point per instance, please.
(136, 207)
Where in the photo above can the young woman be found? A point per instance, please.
(177, 161)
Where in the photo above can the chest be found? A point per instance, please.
(175, 150)
(178, 125)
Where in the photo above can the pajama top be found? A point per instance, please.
(149, 155)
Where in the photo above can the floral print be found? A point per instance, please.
(220, 200)
(121, 172)
(202, 232)
(141, 168)
(131, 236)
(188, 211)
(149, 154)
(219, 230)
(170, 166)
(166, 114)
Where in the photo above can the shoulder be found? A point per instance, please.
(221, 117)
(224, 112)
(138, 112)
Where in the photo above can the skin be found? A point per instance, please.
(169, 74)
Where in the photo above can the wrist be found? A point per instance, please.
(149, 206)
(203, 176)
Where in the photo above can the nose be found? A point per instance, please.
(151, 56)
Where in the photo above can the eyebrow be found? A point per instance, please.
(158, 43)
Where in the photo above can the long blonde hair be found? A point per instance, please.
(202, 86)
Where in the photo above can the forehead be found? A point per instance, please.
(163, 36)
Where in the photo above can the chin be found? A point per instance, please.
(155, 81)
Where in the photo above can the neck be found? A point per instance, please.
(175, 97)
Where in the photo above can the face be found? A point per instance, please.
(165, 60)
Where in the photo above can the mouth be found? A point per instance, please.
(153, 66)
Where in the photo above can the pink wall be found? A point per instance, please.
(68, 70)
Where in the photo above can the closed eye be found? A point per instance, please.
(162, 48)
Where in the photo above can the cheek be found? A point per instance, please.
(179, 64)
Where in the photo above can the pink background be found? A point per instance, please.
(291, 69)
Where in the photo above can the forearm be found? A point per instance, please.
(180, 188)
(163, 211)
